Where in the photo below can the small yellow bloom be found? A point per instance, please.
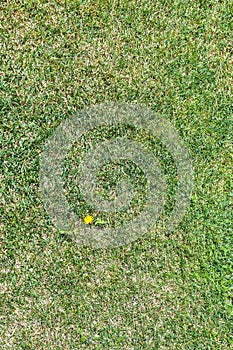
(88, 219)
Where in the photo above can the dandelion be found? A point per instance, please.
(88, 219)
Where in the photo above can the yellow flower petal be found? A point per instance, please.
(88, 219)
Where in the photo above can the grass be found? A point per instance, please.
(159, 292)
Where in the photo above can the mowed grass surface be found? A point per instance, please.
(160, 292)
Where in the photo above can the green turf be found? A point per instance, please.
(160, 292)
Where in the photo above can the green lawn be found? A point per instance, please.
(159, 292)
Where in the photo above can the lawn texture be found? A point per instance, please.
(162, 291)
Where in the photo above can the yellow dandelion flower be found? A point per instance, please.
(88, 219)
